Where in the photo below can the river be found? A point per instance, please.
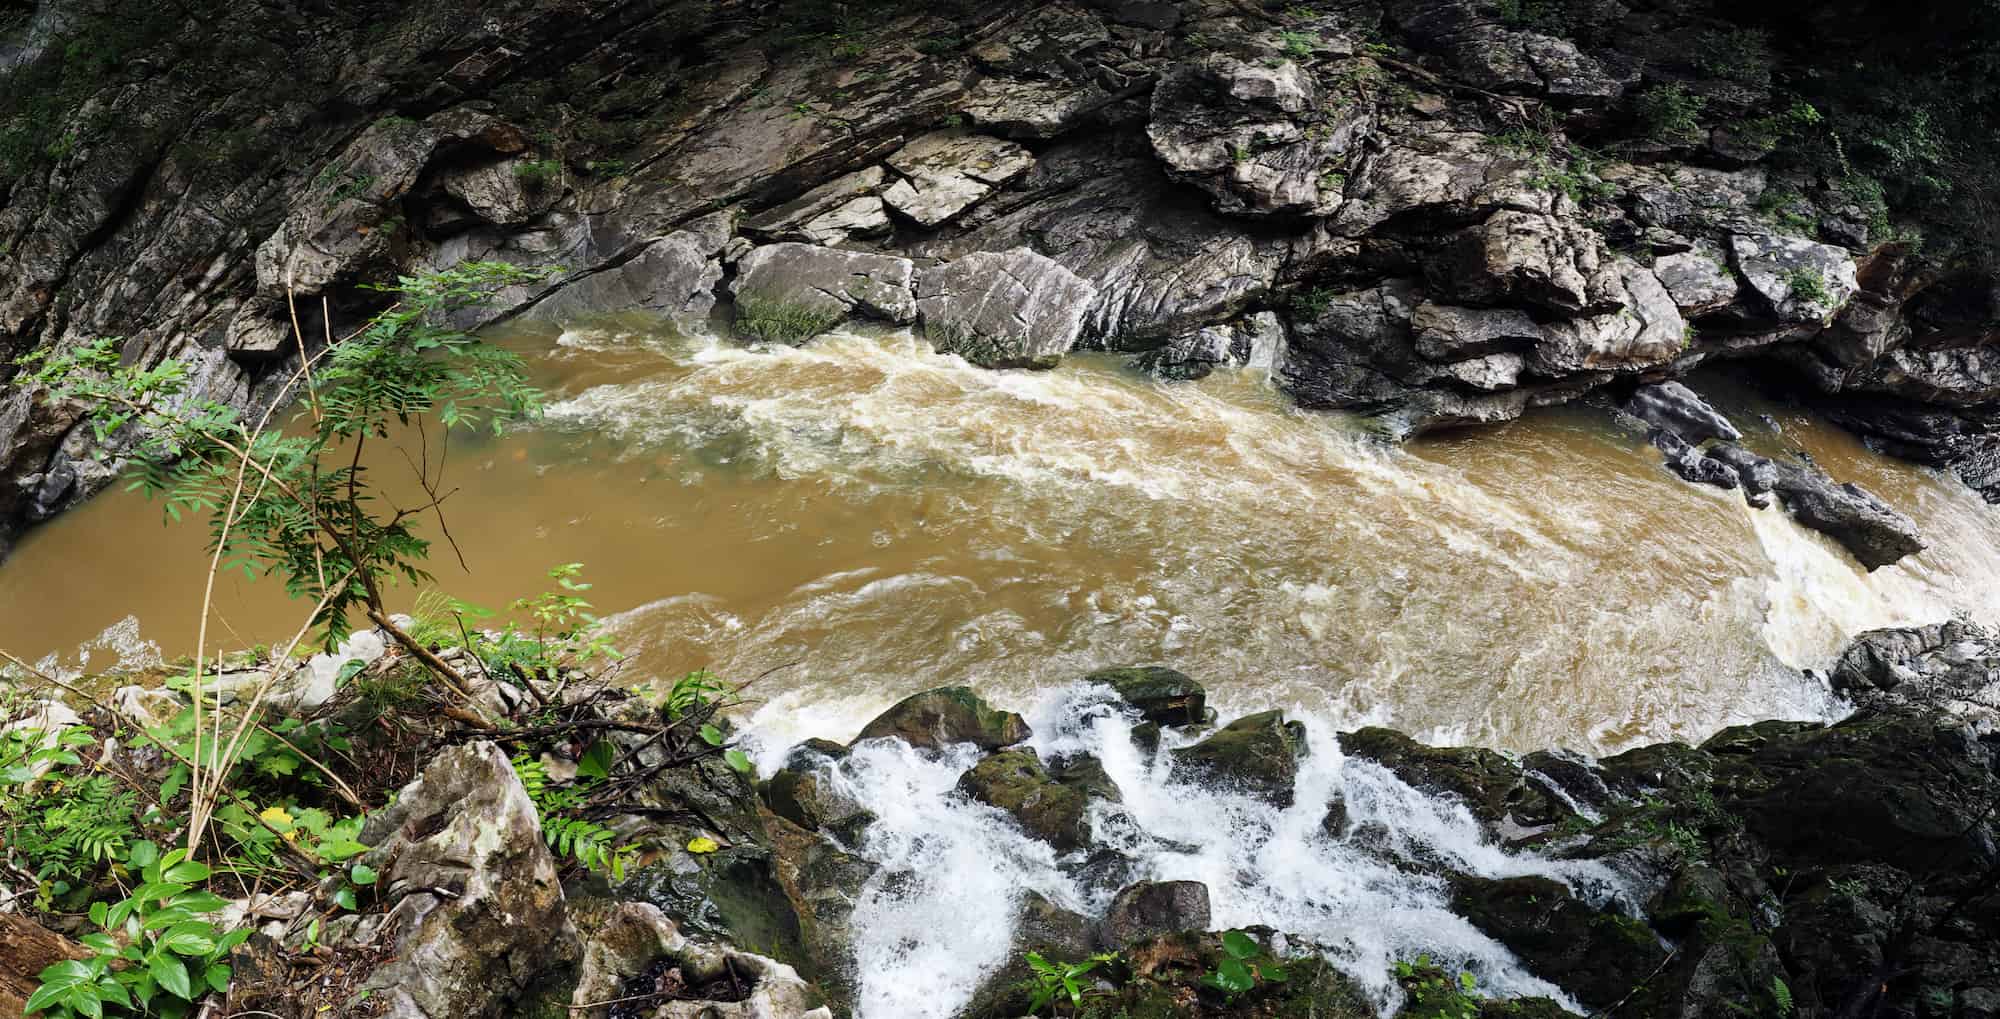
(890, 519)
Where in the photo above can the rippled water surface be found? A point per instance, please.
(891, 519)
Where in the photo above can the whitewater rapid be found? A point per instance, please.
(938, 916)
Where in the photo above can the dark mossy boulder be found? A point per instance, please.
(1151, 908)
(1493, 787)
(1160, 695)
(1057, 812)
(1597, 956)
(1906, 790)
(1663, 767)
(821, 884)
(945, 716)
(1256, 754)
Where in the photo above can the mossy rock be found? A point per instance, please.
(1256, 754)
(1493, 787)
(946, 716)
(1597, 956)
(1016, 782)
(1161, 695)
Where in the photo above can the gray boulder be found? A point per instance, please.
(1797, 280)
(1254, 136)
(460, 847)
(1678, 409)
(1004, 309)
(1874, 531)
(789, 292)
(946, 173)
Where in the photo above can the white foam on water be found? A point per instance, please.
(937, 918)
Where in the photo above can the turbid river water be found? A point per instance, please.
(891, 519)
(887, 519)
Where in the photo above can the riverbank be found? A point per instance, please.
(1819, 868)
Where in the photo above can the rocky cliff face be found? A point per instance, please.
(1433, 212)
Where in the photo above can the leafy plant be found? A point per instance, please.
(589, 842)
(154, 951)
(1298, 45)
(59, 826)
(1435, 993)
(1671, 114)
(1244, 966)
(1808, 285)
(1055, 982)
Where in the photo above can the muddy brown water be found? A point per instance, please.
(890, 519)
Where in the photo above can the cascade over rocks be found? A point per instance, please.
(1258, 754)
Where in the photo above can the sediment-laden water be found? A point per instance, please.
(880, 519)
(890, 519)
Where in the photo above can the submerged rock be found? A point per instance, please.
(948, 715)
(1875, 532)
(1161, 695)
(1257, 755)
(1492, 786)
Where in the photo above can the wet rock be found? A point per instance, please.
(1689, 463)
(1449, 333)
(1678, 409)
(948, 715)
(846, 206)
(459, 845)
(1160, 695)
(802, 793)
(675, 275)
(1491, 786)
(791, 292)
(1699, 281)
(1642, 330)
(1015, 781)
(1253, 136)
(821, 884)
(946, 173)
(1257, 755)
(1758, 474)
(1007, 309)
(1798, 280)
(1951, 668)
(1152, 908)
(1875, 532)
(1041, 927)
(625, 941)
(1189, 356)
(1599, 957)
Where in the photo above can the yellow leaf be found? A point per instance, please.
(702, 845)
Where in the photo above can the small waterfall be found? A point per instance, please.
(937, 918)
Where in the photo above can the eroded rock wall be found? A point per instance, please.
(1429, 211)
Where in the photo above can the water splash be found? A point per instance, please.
(936, 919)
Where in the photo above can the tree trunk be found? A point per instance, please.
(27, 948)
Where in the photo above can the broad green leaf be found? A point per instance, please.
(1240, 945)
(364, 875)
(1234, 977)
(596, 762)
(142, 854)
(218, 979)
(172, 975)
(701, 845)
(711, 735)
(737, 759)
(344, 898)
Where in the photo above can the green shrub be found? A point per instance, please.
(1671, 114)
(776, 322)
(1808, 285)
